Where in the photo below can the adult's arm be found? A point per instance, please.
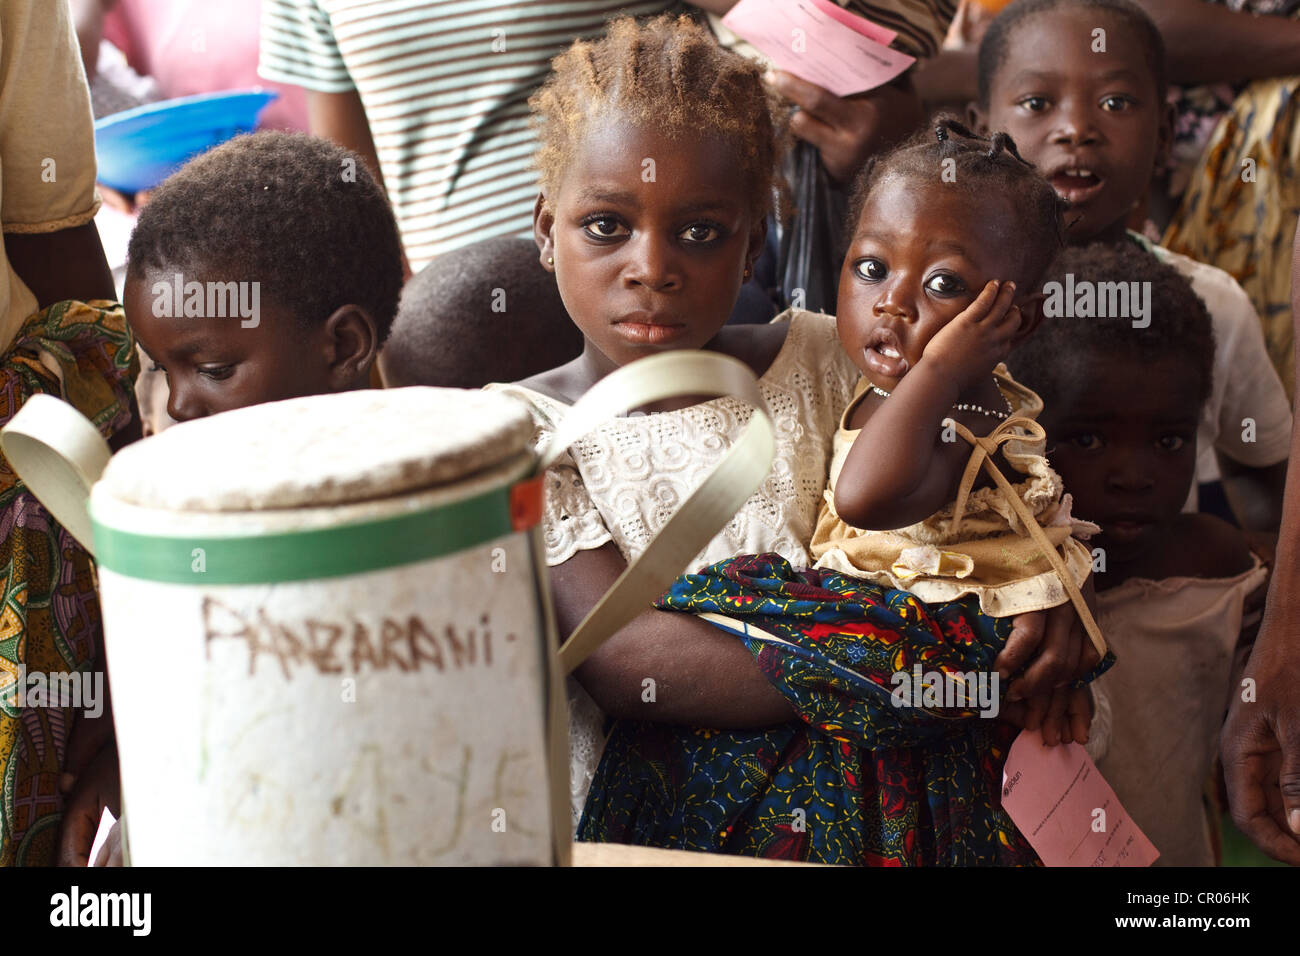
(88, 19)
(1260, 743)
(1208, 43)
(1205, 43)
(47, 153)
(67, 264)
(341, 118)
(846, 130)
(701, 675)
(297, 47)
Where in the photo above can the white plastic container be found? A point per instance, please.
(324, 635)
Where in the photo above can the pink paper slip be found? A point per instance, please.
(872, 31)
(1066, 810)
(819, 42)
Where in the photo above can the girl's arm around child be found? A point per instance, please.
(702, 675)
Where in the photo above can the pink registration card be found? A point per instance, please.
(1066, 810)
(872, 31)
(819, 42)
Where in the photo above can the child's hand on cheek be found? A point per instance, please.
(978, 338)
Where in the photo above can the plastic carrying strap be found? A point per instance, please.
(58, 454)
(982, 456)
(709, 508)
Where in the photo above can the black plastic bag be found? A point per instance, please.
(811, 253)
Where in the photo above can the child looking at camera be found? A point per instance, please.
(646, 264)
(936, 289)
(1175, 591)
(1092, 117)
(651, 263)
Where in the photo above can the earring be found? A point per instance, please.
(550, 260)
(749, 271)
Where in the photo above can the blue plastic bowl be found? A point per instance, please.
(139, 148)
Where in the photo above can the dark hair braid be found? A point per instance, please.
(668, 73)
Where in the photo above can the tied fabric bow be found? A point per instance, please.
(1019, 428)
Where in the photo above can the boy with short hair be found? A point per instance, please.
(265, 269)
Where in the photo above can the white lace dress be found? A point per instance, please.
(623, 482)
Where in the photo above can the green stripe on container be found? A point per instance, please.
(309, 554)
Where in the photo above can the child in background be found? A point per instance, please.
(268, 268)
(928, 306)
(1122, 406)
(1095, 122)
(489, 312)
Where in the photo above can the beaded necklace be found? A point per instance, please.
(962, 406)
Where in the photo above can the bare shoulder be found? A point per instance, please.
(560, 383)
(755, 345)
(1203, 546)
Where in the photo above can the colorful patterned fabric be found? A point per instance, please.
(49, 620)
(1241, 216)
(1198, 109)
(1240, 209)
(860, 780)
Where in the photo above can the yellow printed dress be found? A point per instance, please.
(49, 621)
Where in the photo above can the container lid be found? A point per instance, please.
(323, 450)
